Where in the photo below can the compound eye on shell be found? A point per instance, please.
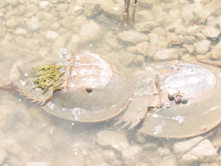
(89, 90)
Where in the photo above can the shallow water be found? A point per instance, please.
(36, 30)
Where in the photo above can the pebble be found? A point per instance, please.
(89, 32)
(33, 24)
(43, 4)
(132, 155)
(202, 47)
(143, 48)
(38, 164)
(3, 155)
(11, 147)
(132, 36)
(216, 51)
(72, 157)
(166, 55)
(210, 32)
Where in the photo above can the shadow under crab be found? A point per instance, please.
(95, 89)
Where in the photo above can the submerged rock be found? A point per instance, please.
(3, 155)
(38, 164)
(72, 157)
(210, 32)
(132, 155)
(11, 147)
(112, 139)
(216, 52)
(132, 36)
(203, 152)
(167, 54)
(202, 47)
(89, 32)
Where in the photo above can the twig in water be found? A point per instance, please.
(134, 11)
(125, 16)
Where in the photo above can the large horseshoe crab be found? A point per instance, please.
(168, 99)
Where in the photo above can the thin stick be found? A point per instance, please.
(134, 12)
(196, 144)
(125, 16)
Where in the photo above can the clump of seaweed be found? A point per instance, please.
(48, 76)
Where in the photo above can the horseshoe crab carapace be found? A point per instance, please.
(94, 89)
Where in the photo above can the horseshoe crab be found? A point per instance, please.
(168, 99)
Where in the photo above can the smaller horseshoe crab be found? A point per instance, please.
(168, 99)
(83, 87)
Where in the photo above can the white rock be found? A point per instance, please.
(49, 35)
(143, 48)
(62, 7)
(43, 141)
(214, 22)
(190, 48)
(146, 3)
(188, 57)
(23, 114)
(216, 52)
(61, 42)
(210, 32)
(21, 31)
(43, 4)
(12, 23)
(125, 57)
(14, 72)
(2, 3)
(175, 14)
(200, 36)
(91, 8)
(163, 151)
(189, 40)
(7, 115)
(214, 7)
(72, 157)
(114, 11)
(33, 24)
(175, 25)
(145, 26)
(169, 161)
(112, 139)
(187, 12)
(112, 40)
(11, 147)
(48, 17)
(193, 30)
(159, 31)
(73, 43)
(3, 155)
(167, 55)
(200, 14)
(132, 36)
(89, 32)
(32, 8)
(35, 1)
(38, 164)
(144, 15)
(203, 152)
(40, 119)
(132, 155)
(55, 26)
(12, 2)
(180, 30)
(202, 47)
